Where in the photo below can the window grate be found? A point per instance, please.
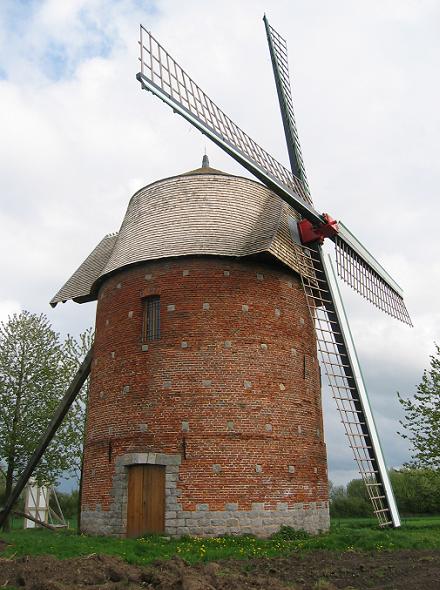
(151, 319)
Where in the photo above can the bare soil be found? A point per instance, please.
(318, 570)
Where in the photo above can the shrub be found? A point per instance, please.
(350, 506)
(287, 533)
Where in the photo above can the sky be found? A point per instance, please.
(78, 136)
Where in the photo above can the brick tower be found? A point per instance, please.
(204, 414)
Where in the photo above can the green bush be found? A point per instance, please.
(287, 533)
(68, 503)
(349, 506)
(417, 491)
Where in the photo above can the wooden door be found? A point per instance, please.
(146, 500)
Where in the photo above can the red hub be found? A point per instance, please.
(311, 233)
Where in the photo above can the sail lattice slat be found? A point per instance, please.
(342, 380)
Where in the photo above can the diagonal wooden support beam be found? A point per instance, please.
(68, 399)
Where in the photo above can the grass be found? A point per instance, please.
(345, 535)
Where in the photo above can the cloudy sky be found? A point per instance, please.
(78, 137)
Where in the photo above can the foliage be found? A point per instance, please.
(36, 368)
(287, 533)
(422, 418)
(348, 507)
(69, 503)
(417, 491)
(345, 535)
(351, 500)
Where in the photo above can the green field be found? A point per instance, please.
(345, 535)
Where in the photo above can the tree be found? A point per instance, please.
(351, 500)
(417, 491)
(422, 418)
(35, 370)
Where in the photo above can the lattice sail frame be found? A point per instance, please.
(338, 356)
(163, 76)
(362, 278)
(165, 73)
(280, 63)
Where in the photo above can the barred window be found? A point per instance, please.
(151, 318)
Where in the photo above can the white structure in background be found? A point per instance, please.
(36, 504)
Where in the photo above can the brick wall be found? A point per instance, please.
(232, 386)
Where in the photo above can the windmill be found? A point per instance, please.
(97, 277)
(162, 75)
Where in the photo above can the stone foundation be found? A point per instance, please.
(312, 517)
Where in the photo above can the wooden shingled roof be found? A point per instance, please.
(202, 212)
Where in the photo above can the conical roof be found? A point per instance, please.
(201, 212)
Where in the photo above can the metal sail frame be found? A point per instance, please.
(161, 75)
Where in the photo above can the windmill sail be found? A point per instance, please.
(338, 356)
(278, 54)
(162, 75)
(357, 267)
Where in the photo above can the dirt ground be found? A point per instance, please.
(318, 570)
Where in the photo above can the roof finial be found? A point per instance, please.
(205, 161)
